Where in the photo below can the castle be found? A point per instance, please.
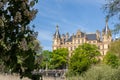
(71, 42)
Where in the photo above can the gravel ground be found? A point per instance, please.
(53, 78)
(16, 77)
(11, 77)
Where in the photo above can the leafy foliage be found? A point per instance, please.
(115, 47)
(111, 60)
(83, 57)
(46, 59)
(113, 8)
(17, 48)
(101, 72)
(98, 72)
(59, 58)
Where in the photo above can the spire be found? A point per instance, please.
(106, 26)
(78, 31)
(57, 34)
(106, 30)
(57, 30)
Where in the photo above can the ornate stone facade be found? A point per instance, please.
(71, 42)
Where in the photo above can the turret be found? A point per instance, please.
(98, 35)
(57, 34)
(57, 37)
(63, 38)
(78, 34)
(67, 36)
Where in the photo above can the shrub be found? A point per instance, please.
(111, 59)
(102, 72)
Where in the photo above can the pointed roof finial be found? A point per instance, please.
(107, 18)
(57, 34)
(57, 27)
(106, 29)
(106, 26)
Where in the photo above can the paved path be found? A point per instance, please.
(52, 78)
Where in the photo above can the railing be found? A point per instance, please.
(51, 73)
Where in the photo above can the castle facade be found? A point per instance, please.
(100, 39)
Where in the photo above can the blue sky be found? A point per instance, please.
(69, 15)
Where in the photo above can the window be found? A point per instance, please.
(71, 48)
(89, 42)
(78, 36)
(94, 41)
(103, 52)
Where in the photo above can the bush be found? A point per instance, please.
(102, 72)
(99, 72)
(111, 60)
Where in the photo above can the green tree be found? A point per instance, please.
(83, 57)
(16, 37)
(59, 58)
(111, 60)
(46, 59)
(113, 56)
(115, 48)
(112, 7)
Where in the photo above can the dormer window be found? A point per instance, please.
(78, 36)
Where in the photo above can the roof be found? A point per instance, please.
(57, 34)
(91, 37)
(88, 36)
(69, 40)
(106, 30)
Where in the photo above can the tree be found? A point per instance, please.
(111, 60)
(46, 59)
(16, 37)
(59, 58)
(83, 57)
(112, 57)
(113, 8)
(115, 47)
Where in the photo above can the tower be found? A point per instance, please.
(106, 33)
(98, 35)
(56, 39)
(67, 36)
(63, 39)
(106, 37)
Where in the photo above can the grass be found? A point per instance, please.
(99, 72)
(16, 77)
(11, 77)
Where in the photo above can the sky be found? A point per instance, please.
(69, 15)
